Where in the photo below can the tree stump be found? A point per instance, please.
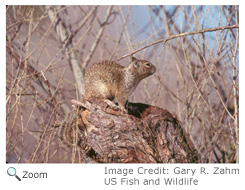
(147, 134)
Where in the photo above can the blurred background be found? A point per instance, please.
(48, 49)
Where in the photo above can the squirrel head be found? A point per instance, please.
(143, 68)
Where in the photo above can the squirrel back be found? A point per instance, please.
(108, 80)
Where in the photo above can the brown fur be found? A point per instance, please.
(108, 80)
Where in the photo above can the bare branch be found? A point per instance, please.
(65, 37)
(179, 35)
(98, 37)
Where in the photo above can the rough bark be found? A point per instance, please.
(147, 134)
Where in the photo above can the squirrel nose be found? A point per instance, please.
(154, 69)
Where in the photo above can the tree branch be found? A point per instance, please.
(65, 38)
(98, 37)
(180, 35)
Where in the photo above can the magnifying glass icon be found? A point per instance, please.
(12, 172)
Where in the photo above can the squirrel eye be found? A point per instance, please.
(148, 64)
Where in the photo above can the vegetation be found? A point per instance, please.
(195, 48)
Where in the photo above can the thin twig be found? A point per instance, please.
(65, 37)
(98, 38)
(180, 35)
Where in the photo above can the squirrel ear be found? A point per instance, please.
(135, 61)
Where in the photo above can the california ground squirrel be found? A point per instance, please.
(108, 80)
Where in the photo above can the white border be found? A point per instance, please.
(63, 176)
